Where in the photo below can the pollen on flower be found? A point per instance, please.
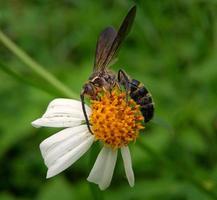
(114, 121)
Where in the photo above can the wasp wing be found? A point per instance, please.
(103, 46)
(121, 35)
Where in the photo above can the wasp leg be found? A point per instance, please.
(124, 80)
(85, 113)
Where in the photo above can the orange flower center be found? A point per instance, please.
(115, 121)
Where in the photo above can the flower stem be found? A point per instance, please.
(178, 169)
(35, 67)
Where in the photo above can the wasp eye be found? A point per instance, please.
(88, 88)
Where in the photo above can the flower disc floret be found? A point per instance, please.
(115, 121)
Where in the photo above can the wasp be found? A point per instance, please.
(103, 79)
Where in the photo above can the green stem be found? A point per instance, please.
(35, 67)
(178, 169)
(23, 79)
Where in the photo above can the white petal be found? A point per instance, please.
(103, 168)
(128, 165)
(50, 142)
(67, 103)
(57, 122)
(98, 167)
(62, 113)
(63, 147)
(109, 169)
(69, 158)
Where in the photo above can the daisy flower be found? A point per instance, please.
(114, 122)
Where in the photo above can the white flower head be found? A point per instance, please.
(114, 122)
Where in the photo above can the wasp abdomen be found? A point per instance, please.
(141, 96)
(148, 111)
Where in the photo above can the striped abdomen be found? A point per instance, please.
(142, 97)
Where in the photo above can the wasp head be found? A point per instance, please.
(89, 89)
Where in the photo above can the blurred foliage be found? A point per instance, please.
(172, 49)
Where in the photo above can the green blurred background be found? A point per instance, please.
(172, 49)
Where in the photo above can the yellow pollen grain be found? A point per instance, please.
(114, 121)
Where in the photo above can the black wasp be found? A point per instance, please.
(103, 79)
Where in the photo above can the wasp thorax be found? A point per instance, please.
(98, 81)
(114, 121)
